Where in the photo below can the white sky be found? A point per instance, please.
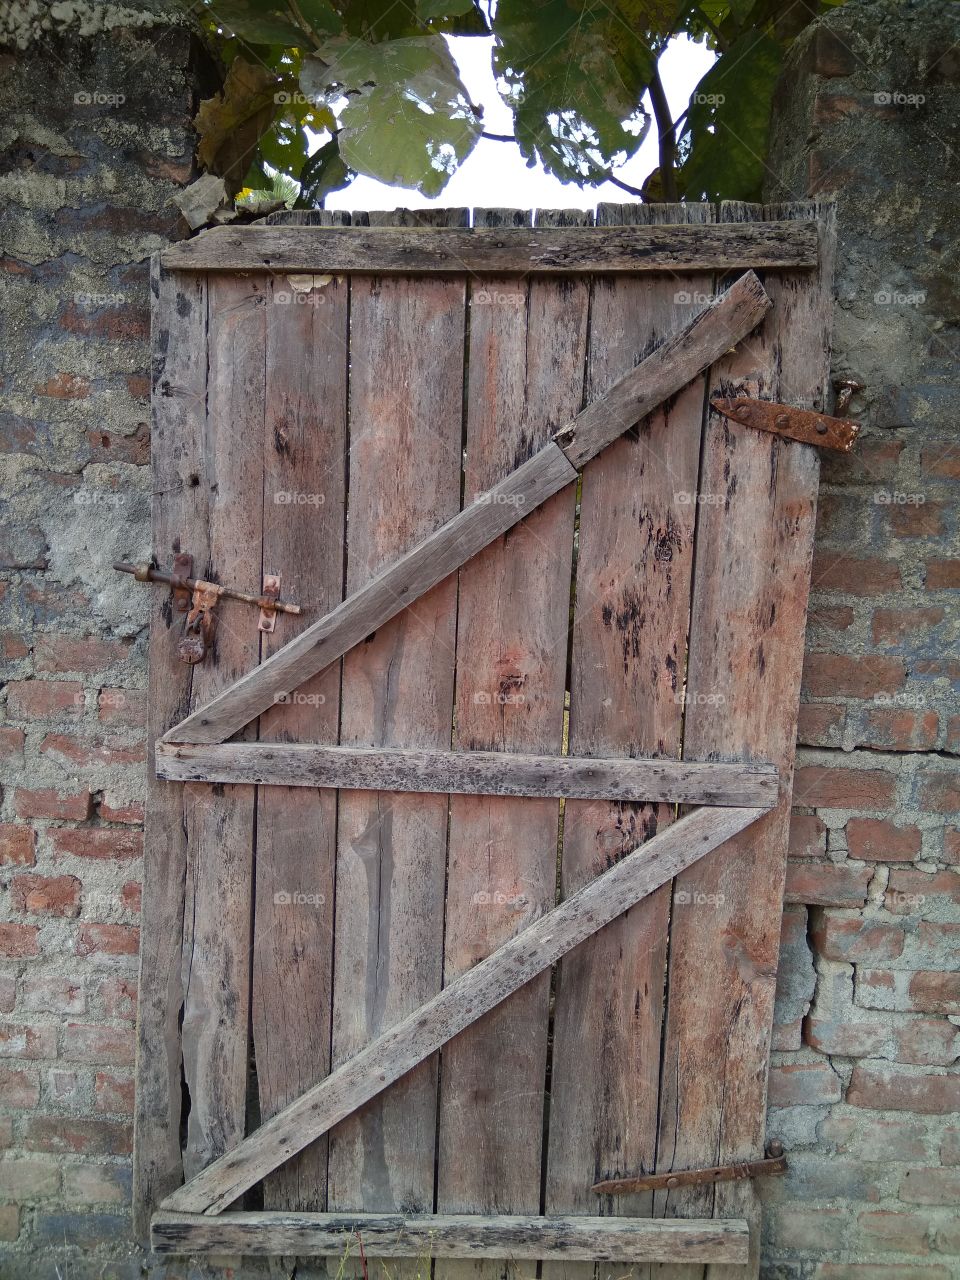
(495, 173)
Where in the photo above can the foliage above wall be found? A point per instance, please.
(377, 76)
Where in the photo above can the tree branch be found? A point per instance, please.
(666, 137)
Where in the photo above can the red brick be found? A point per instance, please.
(951, 846)
(796, 1227)
(917, 991)
(138, 385)
(64, 1085)
(835, 617)
(20, 1040)
(48, 803)
(917, 520)
(909, 889)
(92, 1183)
(898, 729)
(113, 1095)
(820, 724)
(11, 743)
(18, 940)
(830, 108)
(849, 938)
(12, 646)
(101, 843)
(833, 571)
(837, 788)
(58, 653)
(827, 674)
(884, 1229)
(883, 1088)
(123, 708)
(933, 992)
(952, 742)
(874, 461)
(927, 1042)
(124, 322)
(46, 895)
(29, 1179)
(9, 1222)
(875, 840)
(808, 1084)
(113, 448)
(18, 1089)
(41, 699)
(67, 1136)
(943, 575)
(87, 1042)
(875, 1140)
(64, 386)
(808, 836)
(935, 944)
(930, 1186)
(940, 792)
(826, 884)
(948, 669)
(53, 994)
(131, 814)
(845, 1039)
(950, 1147)
(825, 174)
(119, 996)
(75, 751)
(17, 846)
(941, 458)
(131, 896)
(108, 940)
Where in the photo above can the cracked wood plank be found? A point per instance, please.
(406, 1044)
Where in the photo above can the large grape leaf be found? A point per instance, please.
(574, 72)
(274, 21)
(725, 139)
(231, 123)
(407, 120)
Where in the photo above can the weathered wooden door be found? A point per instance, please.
(530, 640)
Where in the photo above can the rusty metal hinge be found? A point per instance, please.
(198, 599)
(775, 1162)
(795, 424)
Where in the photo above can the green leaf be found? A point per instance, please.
(407, 120)
(573, 74)
(432, 10)
(324, 172)
(728, 121)
(274, 21)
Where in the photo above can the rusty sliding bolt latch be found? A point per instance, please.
(199, 606)
(775, 1162)
(795, 424)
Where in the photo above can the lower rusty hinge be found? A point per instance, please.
(795, 424)
(775, 1162)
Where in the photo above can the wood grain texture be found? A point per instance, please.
(304, 446)
(526, 358)
(496, 251)
(465, 1236)
(220, 820)
(498, 773)
(179, 345)
(664, 372)
(406, 396)
(630, 628)
(438, 553)
(752, 573)
(682, 356)
(407, 1043)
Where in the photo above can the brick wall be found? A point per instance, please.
(863, 1080)
(94, 140)
(864, 1087)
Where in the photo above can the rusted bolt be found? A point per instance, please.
(846, 389)
(821, 428)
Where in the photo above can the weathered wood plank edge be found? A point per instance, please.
(453, 1236)
(399, 1049)
(500, 250)
(671, 366)
(499, 773)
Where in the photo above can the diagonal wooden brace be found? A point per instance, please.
(458, 1005)
(675, 363)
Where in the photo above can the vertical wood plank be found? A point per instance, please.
(219, 820)
(304, 443)
(179, 356)
(526, 361)
(753, 553)
(633, 586)
(406, 395)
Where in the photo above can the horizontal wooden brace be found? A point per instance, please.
(499, 251)
(458, 1005)
(426, 1236)
(496, 773)
(683, 356)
